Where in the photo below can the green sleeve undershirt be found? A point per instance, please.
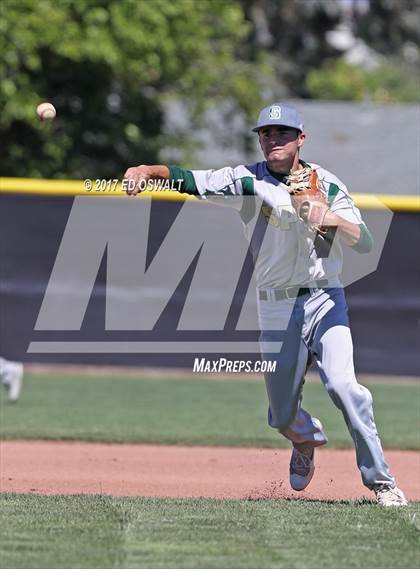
(365, 243)
(186, 179)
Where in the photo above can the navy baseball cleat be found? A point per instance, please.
(302, 467)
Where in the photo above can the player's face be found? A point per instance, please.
(280, 145)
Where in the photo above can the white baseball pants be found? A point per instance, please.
(316, 326)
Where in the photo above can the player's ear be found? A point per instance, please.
(301, 138)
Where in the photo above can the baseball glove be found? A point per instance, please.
(307, 198)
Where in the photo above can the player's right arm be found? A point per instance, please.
(224, 182)
(143, 173)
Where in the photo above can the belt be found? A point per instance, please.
(291, 291)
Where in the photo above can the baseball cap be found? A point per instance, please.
(280, 114)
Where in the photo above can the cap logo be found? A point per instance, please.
(275, 112)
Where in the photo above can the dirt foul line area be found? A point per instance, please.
(44, 467)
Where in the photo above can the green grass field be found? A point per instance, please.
(187, 411)
(86, 532)
(103, 532)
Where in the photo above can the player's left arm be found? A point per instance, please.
(346, 217)
(349, 232)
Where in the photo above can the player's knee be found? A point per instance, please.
(367, 395)
(351, 393)
(363, 398)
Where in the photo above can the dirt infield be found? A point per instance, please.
(173, 471)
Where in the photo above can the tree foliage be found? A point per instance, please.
(338, 80)
(305, 64)
(294, 33)
(111, 66)
(391, 27)
(108, 66)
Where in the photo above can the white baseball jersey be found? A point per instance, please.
(288, 255)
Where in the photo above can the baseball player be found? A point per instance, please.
(11, 375)
(297, 270)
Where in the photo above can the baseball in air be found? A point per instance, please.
(46, 112)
